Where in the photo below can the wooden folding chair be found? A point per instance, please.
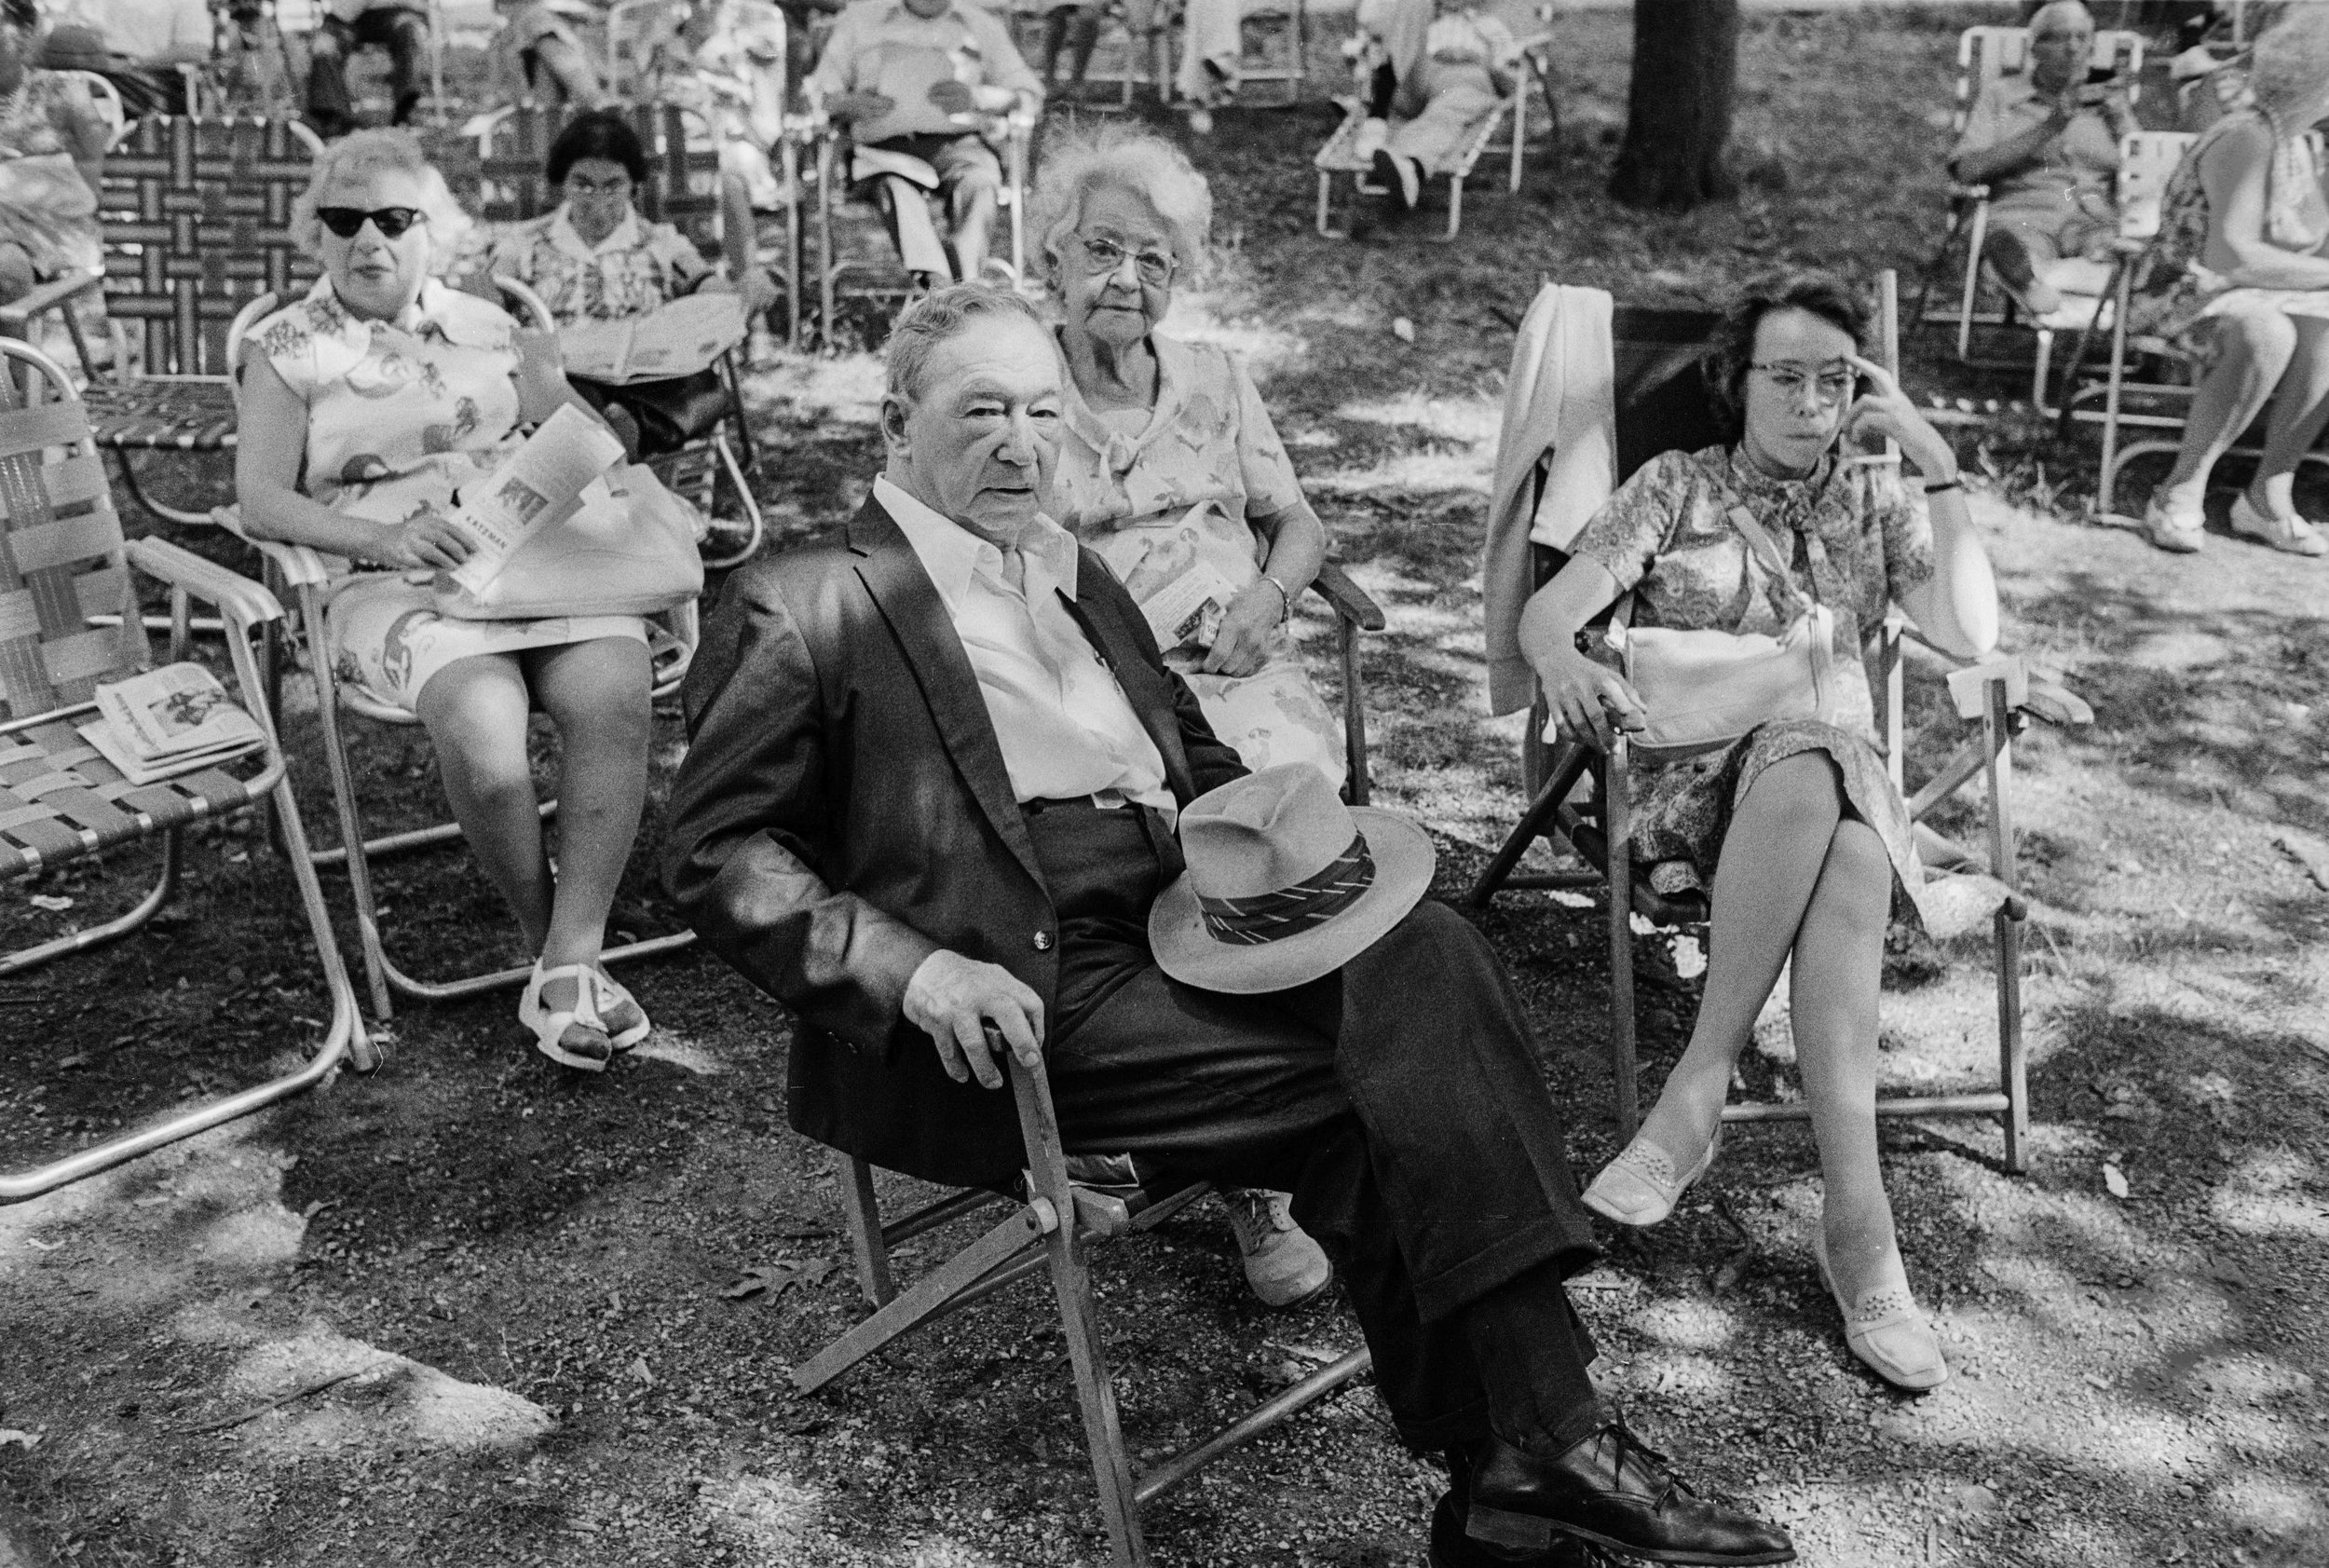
(1984, 54)
(1661, 406)
(1067, 1206)
(69, 621)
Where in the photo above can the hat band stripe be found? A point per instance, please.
(1267, 916)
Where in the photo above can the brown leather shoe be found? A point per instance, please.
(1613, 1491)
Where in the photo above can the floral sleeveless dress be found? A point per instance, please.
(1667, 536)
(400, 415)
(2175, 293)
(1163, 497)
(45, 206)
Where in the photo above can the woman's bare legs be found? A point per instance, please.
(597, 695)
(2254, 347)
(1771, 860)
(475, 710)
(2300, 408)
(1838, 970)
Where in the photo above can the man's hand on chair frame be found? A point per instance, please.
(972, 1010)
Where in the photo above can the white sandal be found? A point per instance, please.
(571, 1037)
(613, 998)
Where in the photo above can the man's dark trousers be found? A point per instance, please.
(1398, 1100)
(403, 30)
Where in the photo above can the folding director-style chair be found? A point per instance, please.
(1340, 159)
(1984, 54)
(897, 191)
(305, 573)
(1067, 1205)
(68, 621)
(1661, 406)
(715, 459)
(195, 215)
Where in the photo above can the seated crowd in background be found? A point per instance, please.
(136, 45)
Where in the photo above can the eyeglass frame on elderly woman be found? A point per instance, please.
(622, 184)
(1828, 385)
(1102, 257)
(349, 222)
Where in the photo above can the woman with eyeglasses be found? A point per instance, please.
(52, 152)
(1170, 470)
(1794, 831)
(366, 407)
(1169, 466)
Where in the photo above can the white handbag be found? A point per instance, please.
(631, 551)
(1704, 690)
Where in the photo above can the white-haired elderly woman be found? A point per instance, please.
(365, 406)
(1169, 466)
(2241, 270)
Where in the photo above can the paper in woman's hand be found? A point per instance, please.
(539, 484)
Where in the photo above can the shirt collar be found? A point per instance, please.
(566, 238)
(454, 316)
(951, 553)
(1752, 481)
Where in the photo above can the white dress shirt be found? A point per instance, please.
(1066, 728)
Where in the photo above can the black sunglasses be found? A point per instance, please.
(390, 221)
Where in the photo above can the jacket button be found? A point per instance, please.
(1043, 941)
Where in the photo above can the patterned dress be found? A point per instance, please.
(1164, 497)
(632, 271)
(1667, 536)
(45, 207)
(399, 415)
(2175, 294)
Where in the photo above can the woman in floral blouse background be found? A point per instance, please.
(1795, 829)
(53, 154)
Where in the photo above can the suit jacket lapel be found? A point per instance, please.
(1150, 692)
(909, 602)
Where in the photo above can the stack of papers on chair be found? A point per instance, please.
(680, 338)
(170, 721)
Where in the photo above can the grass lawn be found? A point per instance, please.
(520, 1280)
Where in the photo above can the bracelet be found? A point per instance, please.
(1957, 484)
(1285, 600)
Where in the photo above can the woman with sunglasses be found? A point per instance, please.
(1795, 830)
(366, 407)
(1169, 468)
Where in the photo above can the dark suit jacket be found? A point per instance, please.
(844, 811)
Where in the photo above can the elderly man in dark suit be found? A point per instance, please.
(929, 802)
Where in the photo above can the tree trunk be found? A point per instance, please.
(1677, 113)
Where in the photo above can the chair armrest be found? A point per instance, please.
(301, 564)
(239, 599)
(1350, 601)
(1968, 193)
(2055, 703)
(2027, 691)
(46, 297)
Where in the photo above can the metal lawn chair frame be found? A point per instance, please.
(68, 620)
(1147, 56)
(1655, 348)
(1983, 55)
(303, 571)
(683, 189)
(1338, 157)
(1069, 1206)
(195, 215)
(898, 190)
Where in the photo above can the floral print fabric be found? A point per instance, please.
(45, 206)
(2174, 292)
(400, 415)
(633, 270)
(1163, 498)
(1667, 536)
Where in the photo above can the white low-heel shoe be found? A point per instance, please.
(569, 1036)
(1884, 1329)
(2292, 534)
(1639, 1188)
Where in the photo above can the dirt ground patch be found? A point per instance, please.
(471, 1310)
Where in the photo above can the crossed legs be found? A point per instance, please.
(1799, 879)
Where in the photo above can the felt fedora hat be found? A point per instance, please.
(1285, 884)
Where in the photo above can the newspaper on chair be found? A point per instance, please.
(540, 483)
(168, 721)
(680, 338)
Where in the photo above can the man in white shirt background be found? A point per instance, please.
(136, 45)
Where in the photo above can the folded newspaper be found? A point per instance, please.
(541, 484)
(168, 721)
(680, 338)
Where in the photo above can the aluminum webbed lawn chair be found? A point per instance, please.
(68, 621)
(1064, 1206)
(1984, 54)
(305, 573)
(1579, 796)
